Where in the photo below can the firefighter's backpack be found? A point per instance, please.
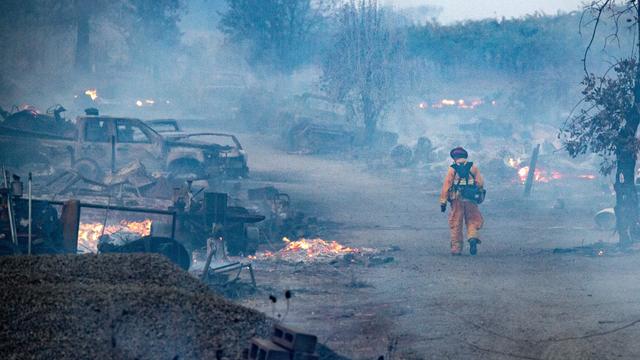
(468, 191)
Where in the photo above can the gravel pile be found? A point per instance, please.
(116, 306)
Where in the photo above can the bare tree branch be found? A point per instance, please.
(593, 33)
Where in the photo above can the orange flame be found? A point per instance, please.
(92, 93)
(539, 175)
(310, 250)
(315, 247)
(587, 177)
(514, 162)
(460, 104)
(89, 233)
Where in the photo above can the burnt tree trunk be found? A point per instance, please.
(369, 116)
(626, 209)
(82, 43)
(369, 127)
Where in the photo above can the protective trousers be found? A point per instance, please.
(466, 212)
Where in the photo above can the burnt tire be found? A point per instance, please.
(186, 169)
(89, 169)
(606, 219)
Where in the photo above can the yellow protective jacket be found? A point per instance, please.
(452, 178)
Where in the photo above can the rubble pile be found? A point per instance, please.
(116, 306)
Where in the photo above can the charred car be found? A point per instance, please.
(98, 144)
(232, 155)
(316, 124)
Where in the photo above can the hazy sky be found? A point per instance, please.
(454, 10)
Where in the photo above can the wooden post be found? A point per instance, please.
(210, 252)
(532, 171)
(30, 215)
(113, 154)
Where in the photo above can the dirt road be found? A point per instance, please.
(516, 299)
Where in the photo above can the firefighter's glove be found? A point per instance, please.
(443, 207)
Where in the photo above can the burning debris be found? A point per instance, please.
(451, 103)
(92, 93)
(312, 251)
(89, 234)
(541, 174)
(145, 102)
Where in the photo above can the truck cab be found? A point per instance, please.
(106, 142)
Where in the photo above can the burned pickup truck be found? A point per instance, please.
(100, 144)
(170, 130)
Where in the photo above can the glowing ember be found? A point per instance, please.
(145, 102)
(523, 173)
(89, 233)
(311, 250)
(514, 162)
(543, 176)
(555, 175)
(92, 93)
(587, 177)
(460, 104)
(539, 175)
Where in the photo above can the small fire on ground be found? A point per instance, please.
(540, 175)
(311, 250)
(89, 233)
(460, 104)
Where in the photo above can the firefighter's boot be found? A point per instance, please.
(473, 245)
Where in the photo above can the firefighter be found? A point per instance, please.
(463, 189)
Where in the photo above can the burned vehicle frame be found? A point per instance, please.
(232, 153)
(98, 144)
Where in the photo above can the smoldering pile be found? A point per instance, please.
(116, 306)
(317, 251)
